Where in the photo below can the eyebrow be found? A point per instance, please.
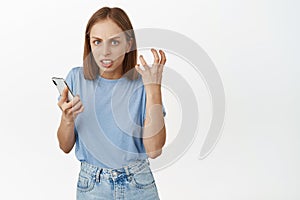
(108, 38)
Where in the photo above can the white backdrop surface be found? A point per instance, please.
(255, 47)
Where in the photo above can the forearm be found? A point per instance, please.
(66, 135)
(154, 135)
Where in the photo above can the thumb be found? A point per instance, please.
(64, 94)
(138, 69)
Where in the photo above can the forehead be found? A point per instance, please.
(106, 29)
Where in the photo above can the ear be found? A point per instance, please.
(129, 45)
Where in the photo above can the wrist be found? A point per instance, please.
(66, 120)
(153, 88)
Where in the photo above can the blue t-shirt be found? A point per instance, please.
(109, 130)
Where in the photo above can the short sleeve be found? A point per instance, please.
(70, 79)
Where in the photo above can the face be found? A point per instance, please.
(109, 45)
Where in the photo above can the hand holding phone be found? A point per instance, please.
(70, 105)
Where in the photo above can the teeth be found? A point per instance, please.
(107, 61)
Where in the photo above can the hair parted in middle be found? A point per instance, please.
(117, 15)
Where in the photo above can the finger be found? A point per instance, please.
(156, 56)
(69, 112)
(65, 93)
(163, 57)
(63, 96)
(138, 69)
(75, 100)
(143, 62)
(65, 106)
(79, 111)
(76, 106)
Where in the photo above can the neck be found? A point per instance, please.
(110, 75)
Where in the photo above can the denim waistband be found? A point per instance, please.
(107, 173)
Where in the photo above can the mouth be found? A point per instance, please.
(107, 63)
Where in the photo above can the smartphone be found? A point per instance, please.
(61, 85)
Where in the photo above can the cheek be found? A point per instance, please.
(119, 60)
(95, 51)
(117, 52)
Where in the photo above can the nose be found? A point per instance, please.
(106, 49)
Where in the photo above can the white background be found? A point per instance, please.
(255, 47)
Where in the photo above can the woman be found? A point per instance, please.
(117, 117)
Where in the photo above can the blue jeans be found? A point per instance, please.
(132, 182)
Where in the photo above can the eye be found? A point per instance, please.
(115, 42)
(96, 42)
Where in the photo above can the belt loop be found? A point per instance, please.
(126, 170)
(98, 175)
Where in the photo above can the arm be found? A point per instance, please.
(154, 132)
(65, 133)
(154, 135)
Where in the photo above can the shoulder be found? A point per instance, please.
(76, 70)
(75, 73)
